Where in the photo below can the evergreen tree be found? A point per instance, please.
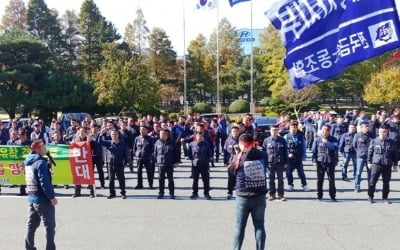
(95, 31)
(162, 57)
(23, 69)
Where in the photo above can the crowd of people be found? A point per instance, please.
(154, 143)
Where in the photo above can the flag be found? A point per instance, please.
(396, 56)
(233, 2)
(324, 37)
(206, 4)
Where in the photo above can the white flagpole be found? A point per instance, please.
(252, 104)
(218, 105)
(185, 103)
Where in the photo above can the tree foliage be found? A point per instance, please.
(95, 31)
(299, 99)
(162, 57)
(123, 81)
(23, 69)
(269, 57)
(198, 78)
(230, 54)
(137, 34)
(14, 16)
(384, 88)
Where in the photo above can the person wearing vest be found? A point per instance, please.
(361, 142)
(200, 153)
(143, 151)
(348, 151)
(166, 160)
(325, 158)
(41, 196)
(339, 128)
(276, 154)
(382, 155)
(251, 187)
(229, 152)
(296, 144)
(116, 154)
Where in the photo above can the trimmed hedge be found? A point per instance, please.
(201, 108)
(239, 106)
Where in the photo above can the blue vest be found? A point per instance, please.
(251, 174)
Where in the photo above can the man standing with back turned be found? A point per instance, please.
(41, 196)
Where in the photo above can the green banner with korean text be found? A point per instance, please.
(74, 164)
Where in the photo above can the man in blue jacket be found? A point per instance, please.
(165, 159)
(41, 196)
(116, 155)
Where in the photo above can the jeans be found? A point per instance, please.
(292, 165)
(278, 169)
(360, 166)
(254, 205)
(37, 212)
(346, 160)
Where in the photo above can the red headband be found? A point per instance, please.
(248, 144)
(37, 145)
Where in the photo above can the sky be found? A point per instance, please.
(168, 15)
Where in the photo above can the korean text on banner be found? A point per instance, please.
(323, 37)
(74, 164)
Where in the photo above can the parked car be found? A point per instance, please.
(263, 125)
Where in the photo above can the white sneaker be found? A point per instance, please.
(290, 188)
(305, 188)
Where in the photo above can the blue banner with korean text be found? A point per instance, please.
(233, 2)
(323, 37)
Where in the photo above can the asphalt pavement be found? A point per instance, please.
(144, 222)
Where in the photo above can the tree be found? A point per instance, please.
(384, 88)
(63, 92)
(299, 99)
(69, 26)
(136, 34)
(198, 78)
(23, 69)
(162, 57)
(123, 81)
(14, 16)
(43, 23)
(270, 62)
(230, 55)
(95, 31)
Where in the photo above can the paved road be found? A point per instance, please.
(143, 222)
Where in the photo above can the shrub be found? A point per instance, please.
(173, 116)
(201, 108)
(239, 106)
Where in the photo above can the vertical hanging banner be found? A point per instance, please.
(73, 164)
(323, 37)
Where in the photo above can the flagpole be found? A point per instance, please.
(218, 105)
(185, 103)
(252, 104)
